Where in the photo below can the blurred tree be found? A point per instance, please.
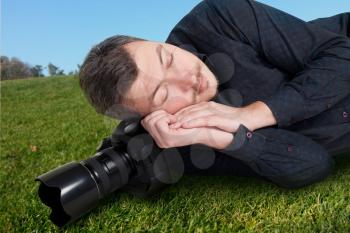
(76, 72)
(5, 68)
(52, 69)
(60, 72)
(14, 68)
(19, 69)
(37, 71)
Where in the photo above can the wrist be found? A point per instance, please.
(257, 115)
(224, 141)
(216, 139)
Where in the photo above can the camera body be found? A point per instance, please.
(131, 137)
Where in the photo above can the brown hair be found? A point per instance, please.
(106, 75)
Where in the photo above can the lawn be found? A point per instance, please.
(46, 122)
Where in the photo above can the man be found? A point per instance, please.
(268, 92)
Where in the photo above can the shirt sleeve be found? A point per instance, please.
(317, 60)
(284, 157)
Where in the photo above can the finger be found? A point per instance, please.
(198, 107)
(172, 119)
(156, 118)
(199, 122)
(211, 121)
(185, 109)
(149, 125)
(161, 129)
(193, 115)
(153, 127)
(166, 121)
(161, 122)
(153, 114)
(185, 135)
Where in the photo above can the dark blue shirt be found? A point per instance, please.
(301, 70)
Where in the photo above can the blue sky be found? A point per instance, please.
(62, 32)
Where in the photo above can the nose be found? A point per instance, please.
(186, 80)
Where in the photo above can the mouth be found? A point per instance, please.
(202, 84)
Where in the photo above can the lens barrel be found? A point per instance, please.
(125, 161)
(75, 188)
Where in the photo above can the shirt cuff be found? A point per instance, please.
(287, 106)
(245, 145)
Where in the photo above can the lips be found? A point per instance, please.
(202, 84)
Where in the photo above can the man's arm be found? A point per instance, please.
(317, 59)
(254, 116)
(258, 115)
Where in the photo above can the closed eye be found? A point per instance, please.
(170, 60)
(165, 97)
(161, 95)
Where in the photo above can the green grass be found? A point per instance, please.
(53, 115)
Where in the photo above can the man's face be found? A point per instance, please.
(170, 78)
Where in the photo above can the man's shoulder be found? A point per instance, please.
(227, 4)
(218, 8)
(211, 15)
(220, 5)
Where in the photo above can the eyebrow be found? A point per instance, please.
(158, 48)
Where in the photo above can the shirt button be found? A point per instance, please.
(289, 148)
(249, 135)
(345, 114)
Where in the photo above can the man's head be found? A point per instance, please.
(125, 75)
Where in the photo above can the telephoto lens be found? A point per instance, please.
(125, 161)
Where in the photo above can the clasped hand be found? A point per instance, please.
(207, 123)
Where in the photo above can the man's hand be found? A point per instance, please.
(157, 124)
(227, 118)
(209, 114)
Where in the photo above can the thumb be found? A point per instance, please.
(172, 119)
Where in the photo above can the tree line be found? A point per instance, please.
(14, 68)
